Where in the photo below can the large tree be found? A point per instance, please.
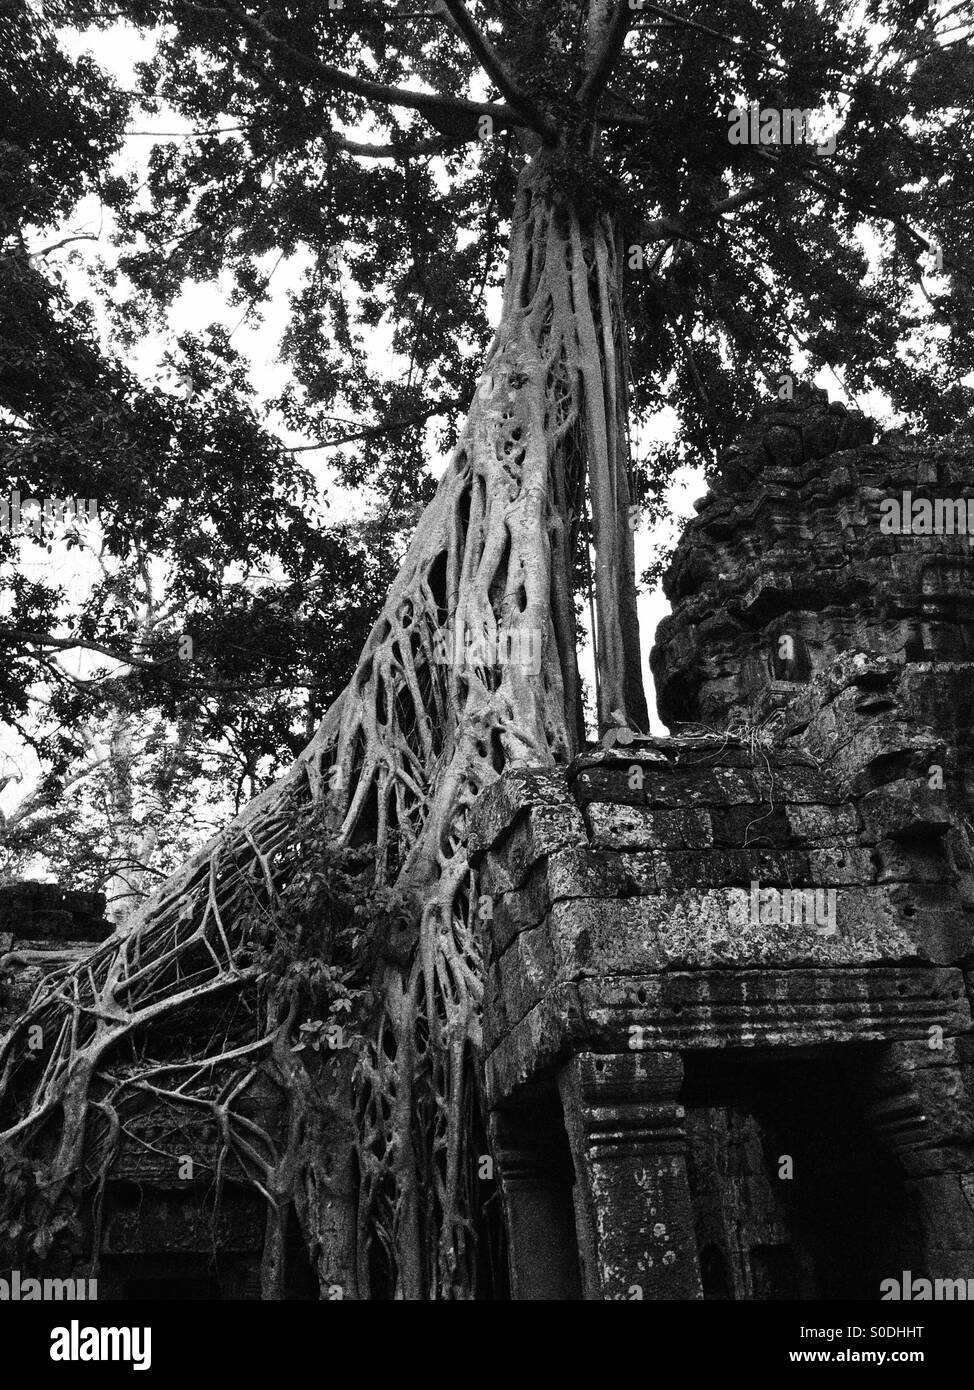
(649, 259)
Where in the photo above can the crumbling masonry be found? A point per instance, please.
(162, 1236)
(697, 1088)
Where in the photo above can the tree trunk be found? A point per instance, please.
(470, 670)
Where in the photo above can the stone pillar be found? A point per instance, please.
(924, 1113)
(635, 1220)
(535, 1178)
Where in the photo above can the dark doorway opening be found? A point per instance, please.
(793, 1197)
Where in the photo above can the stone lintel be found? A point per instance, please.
(704, 1009)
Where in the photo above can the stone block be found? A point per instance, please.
(841, 864)
(904, 810)
(822, 824)
(636, 827)
(538, 833)
(505, 801)
(761, 825)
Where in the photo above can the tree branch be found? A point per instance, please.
(46, 641)
(45, 644)
(429, 103)
(363, 150)
(342, 142)
(372, 431)
(32, 802)
(601, 69)
(488, 58)
(733, 40)
(669, 229)
(56, 246)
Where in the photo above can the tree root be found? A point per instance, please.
(469, 670)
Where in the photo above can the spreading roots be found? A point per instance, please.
(303, 998)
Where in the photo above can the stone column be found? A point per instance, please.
(535, 1177)
(635, 1220)
(924, 1113)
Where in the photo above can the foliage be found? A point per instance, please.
(208, 527)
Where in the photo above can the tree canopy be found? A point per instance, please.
(207, 608)
(753, 249)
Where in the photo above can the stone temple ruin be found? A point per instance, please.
(728, 1022)
(160, 1236)
(728, 1037)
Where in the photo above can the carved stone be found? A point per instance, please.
(768, 915)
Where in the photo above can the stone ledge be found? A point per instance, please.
(729, 1008)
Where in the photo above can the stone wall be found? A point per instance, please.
(730, 972)
(605, 892)
(163, 1234)
(788, 542)
(42, 928)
